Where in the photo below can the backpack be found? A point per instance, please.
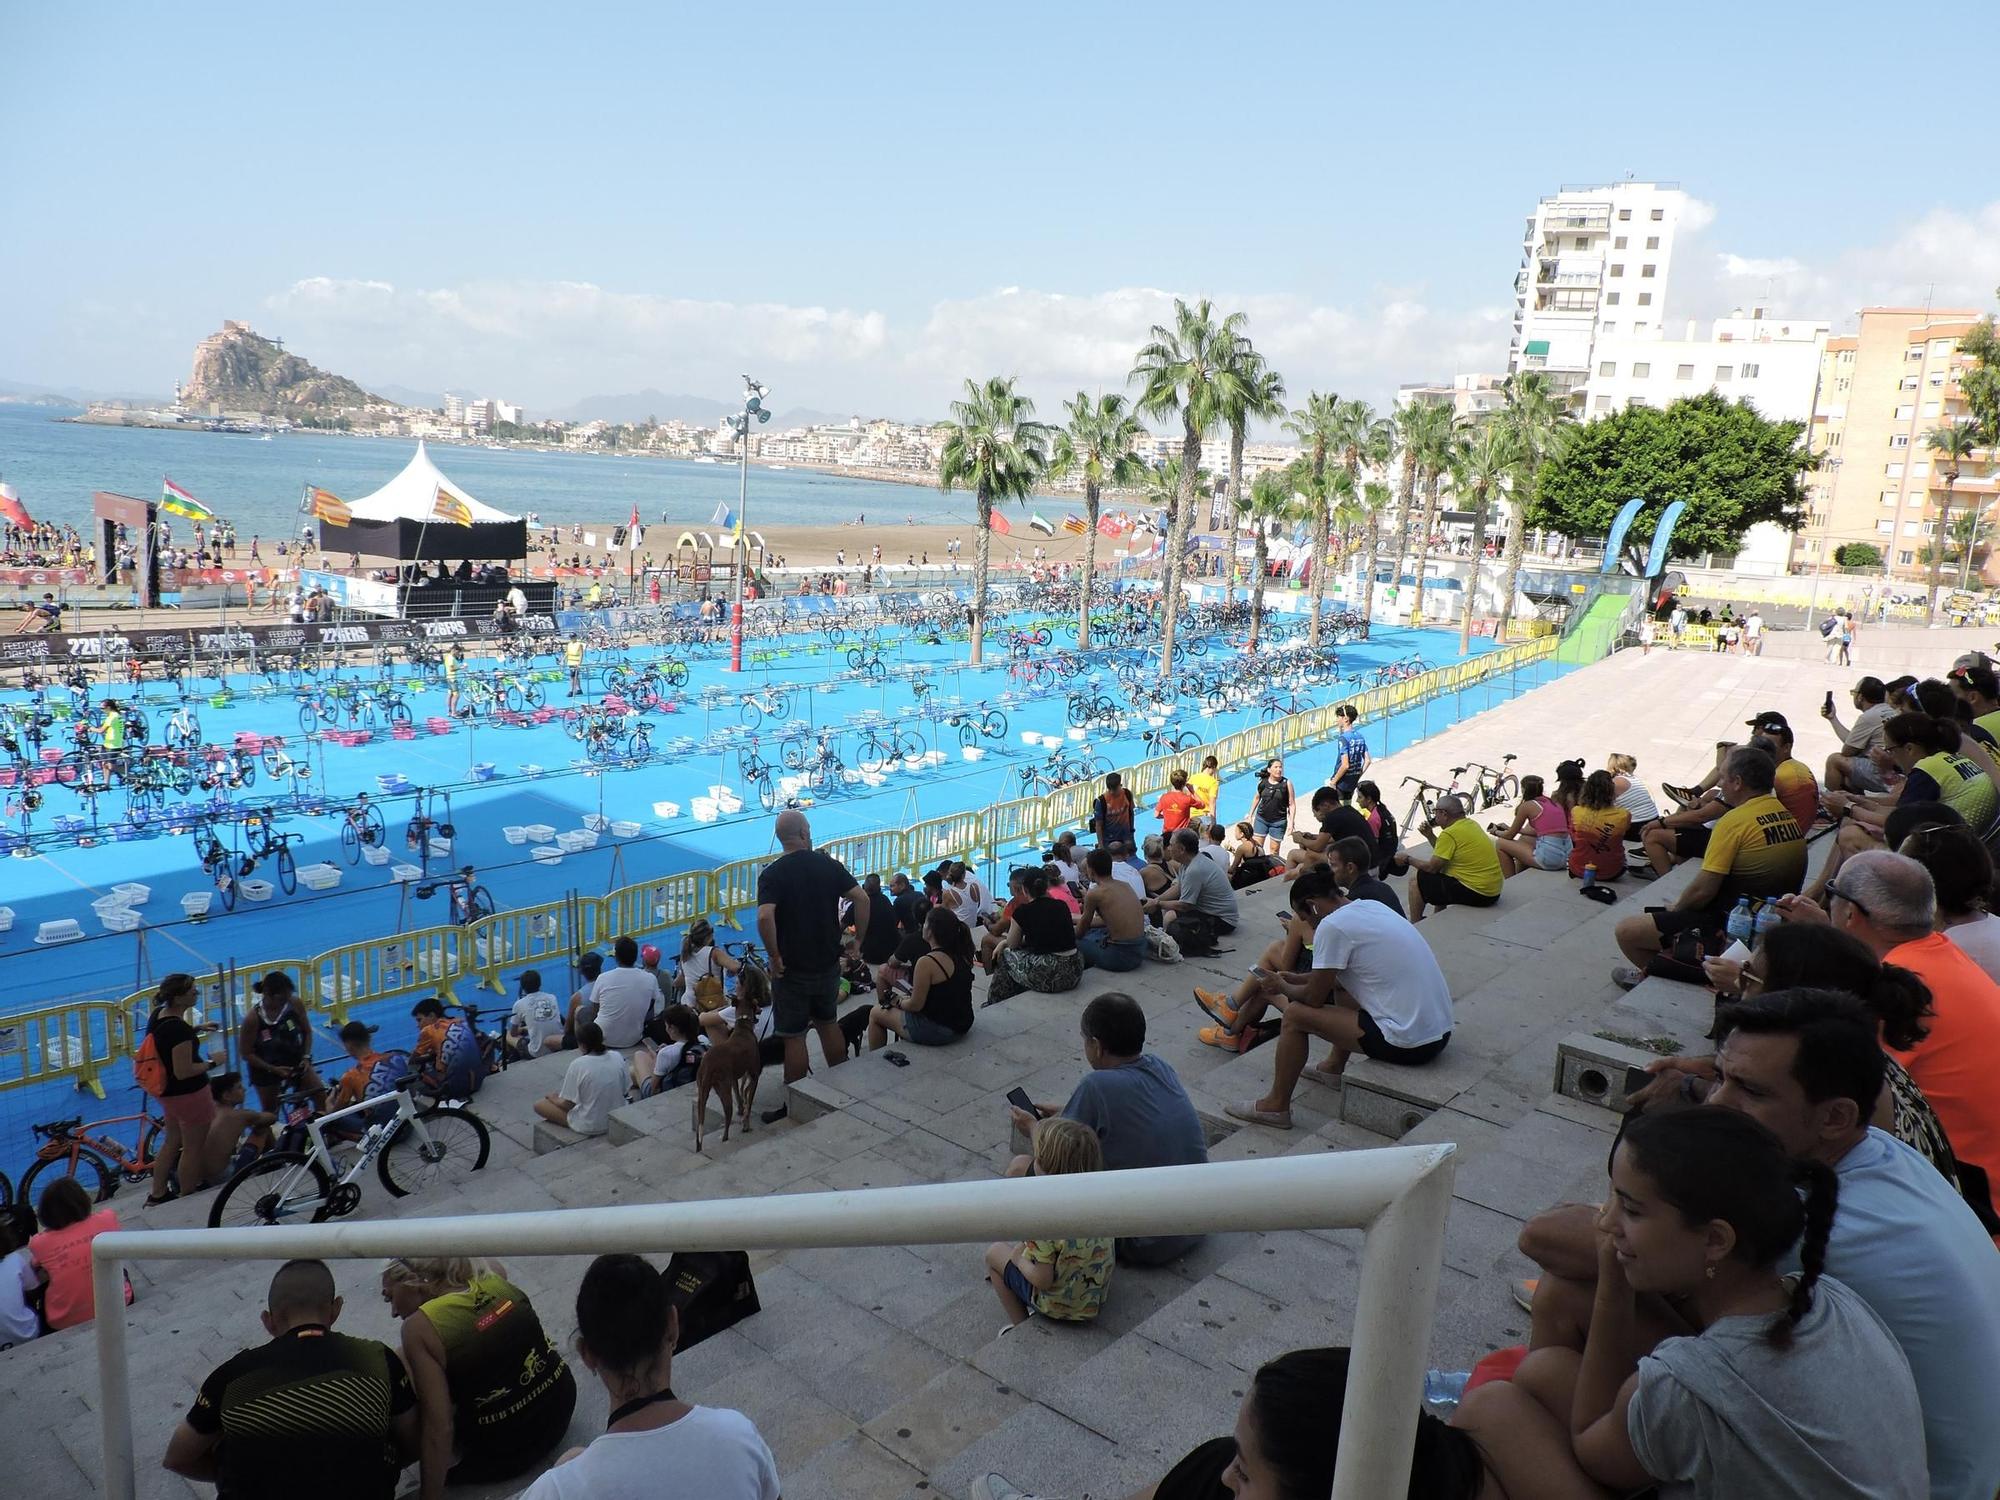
(1195, 934)
(1160, 946)
(149, 1069)
(1826, 625)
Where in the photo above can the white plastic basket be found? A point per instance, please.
(320, 877)
(375, 854)
(122, 919)
(105, 905)
(540, 833)
(134, 893)
(406, 873)
(703, 810)
(597, 822)
(195, 904)
(624, 828)
(547, 854)
(255, 890)
(514, 833)
(973, 752)
(6, 919)
(730, 804)
(1078, 734)
(440, 848)
(571, 840)
(668, 810)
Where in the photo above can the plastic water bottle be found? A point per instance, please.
(1444, 1389)
(1589, 876)
(1742, 926)
(1768, 917)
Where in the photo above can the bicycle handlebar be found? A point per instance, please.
(59, 1127)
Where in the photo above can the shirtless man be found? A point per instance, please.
(1110, 927)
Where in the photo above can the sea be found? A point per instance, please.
(56, 466)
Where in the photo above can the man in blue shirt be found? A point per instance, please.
(1351, 751)
(1136, 1104)
(1808, 1065)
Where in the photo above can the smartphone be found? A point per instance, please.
(897, 1058)
(1636, 1079)
(1827, 711)
(1018, 1097)
(1260, 971)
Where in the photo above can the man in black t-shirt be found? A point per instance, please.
(798, 918)
(311, 1414)
(911, 905)
(1336, 821)
(880, 937)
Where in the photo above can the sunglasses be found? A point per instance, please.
(1834, 891)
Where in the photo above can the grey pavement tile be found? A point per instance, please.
(1208, 1320)
(1137, 1387)
(794, 1423)
(1319, 1270)
(932, 1425)
(857, 1465)
(960, 1327)
(983, 1127)
(1036, 1355)
(1038, 1448)
(1476, 1238)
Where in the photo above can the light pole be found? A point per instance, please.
(754, 411)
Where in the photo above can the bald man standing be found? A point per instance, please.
(798, 918)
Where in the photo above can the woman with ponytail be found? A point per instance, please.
(1788, 1387)
(1938, 765)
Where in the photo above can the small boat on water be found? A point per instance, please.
(707, 458)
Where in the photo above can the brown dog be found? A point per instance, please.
(729, 1070)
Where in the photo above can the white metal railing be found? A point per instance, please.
(1398, 1195)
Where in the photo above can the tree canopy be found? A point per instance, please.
(1733, 467)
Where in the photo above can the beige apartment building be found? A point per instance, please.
(1882, 391)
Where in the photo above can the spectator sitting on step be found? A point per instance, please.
(1937, 764)
(753, 988)
(1063, 1280)
(1333, 820)
(1808, 1065)
(623, 998)
(674, 1062)
(1136, 1104)
(1110, 927)
(938, 1009)
(1155, 875)
(1039, 951)
(1631, 795)
(1756, 849)
(346, 1407)
(588, 967)
(1462, 869)
(1374, 988)
(1683, 833)
(1704, 1210)
(535, 1024)
(1382, 828)
(1851, 768)
(626, 1330)
(593, 1085)
(1598, 828)
(1961, 871)
(1287, 1440)
(237, 1133)
(1199, 906)
(1541, 815)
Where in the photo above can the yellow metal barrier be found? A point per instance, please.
(80, 1040)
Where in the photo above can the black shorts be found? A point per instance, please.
(1448, 890)
(1379, 1047)
(1701, 919)
(1689, 842)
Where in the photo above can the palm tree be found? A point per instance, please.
(1363, 437)
(1316, 427)
(995, 448)
(1539, 423)
(1257, 394)
(1483, 460)
(1953, 444)
(1430, 432)
(1375, 499)
(1273, 498)
(1189, 370)
(1408, 423)
(1096, 445)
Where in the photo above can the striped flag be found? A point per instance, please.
(1001, 525)
(329, 507)
(728, 520)
(450, 509)
(11, 508)
(1038, 522)
(1076, 525)
(178, 502)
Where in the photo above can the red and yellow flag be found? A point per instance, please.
(450, 509)
(330, 508)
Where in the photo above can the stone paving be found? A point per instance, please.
(880, 1372)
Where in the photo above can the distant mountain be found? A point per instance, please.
(24, 390)
(701, 411)
(240, 369)
(426, 400)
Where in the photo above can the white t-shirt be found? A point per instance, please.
(1127, 876)
(767, 1019)
(1389, 970)
(1979, 939)
(540, 1016)
(711, 1452)
(624, 998)
(595, 1086)
(18, 1322)
(1217, 853)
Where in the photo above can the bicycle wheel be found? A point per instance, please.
(794, 753)
(532, 694)
(640, 745)
(399, 711)
(510, 698)
(308, 718)
(479, 904)
(350, 842)
(752, 714)
(283, 1187)
(674, 673)
(458, 1146)
(1507, 789)
(225, 884)
(767, 792)
(149, 1151)
(288, 870)
(97, 1175)
(993, 725)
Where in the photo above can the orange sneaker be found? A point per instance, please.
(1222, 1037)
(1217, 1006)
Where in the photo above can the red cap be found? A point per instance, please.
(650, 954)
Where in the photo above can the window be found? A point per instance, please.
(1603, 403)
(1909, 383)
(1930, 408)
(1582, 243)
(1645, 299)
(1920, 469)
(1900, 440)
(1906, 558)
(1724, 373)
(1750, 371)
(1941, 346)
(1916, 353)
(1891, 497)
(1638, 327)
(1930, 528)
(1684, 372)
(1607, 367)
(1913, 528)
(1886, 528)
(1652, 242)
(1619, 243)
(1659, 215)
(1611, 299)
(1618, 269)
(1641, 370)
(1646, 272)
(1937, 377)
(1894, 470)
(1624, 213)
(1904, 413)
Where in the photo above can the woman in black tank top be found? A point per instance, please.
(939, 1008)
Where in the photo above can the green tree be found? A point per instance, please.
(1256, 394)
(1316, 426)
(1095, 445)
(995, 448)
(1273, 500)
(1540, 424)
(1733, 467)
(1484, 459)
(1375, 502)
(1188, 370)
(1857, 555)
(1954, 444)
(1430, 433)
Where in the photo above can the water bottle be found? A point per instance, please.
(1742, 926)
(1589, 876)
(1444, 1389)
(1768, 917)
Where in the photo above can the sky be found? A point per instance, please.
(864, 205)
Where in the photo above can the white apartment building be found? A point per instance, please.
(1468, 396)
(454, 408)
(1595, 261)
(1771, 362)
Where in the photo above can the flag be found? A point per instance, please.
(1001, 526)
(329, 507)
(178, 502)
(726, 519)
(1114, 525)
(1037, 522)
(1076, 526)
(12, 510)
(634, 533)
(450, 509)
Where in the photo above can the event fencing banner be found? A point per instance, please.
(370, 594)
(215, 640)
